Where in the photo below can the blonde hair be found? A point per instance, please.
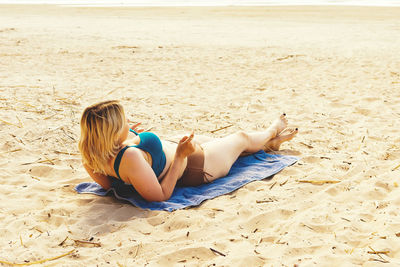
(101, 127)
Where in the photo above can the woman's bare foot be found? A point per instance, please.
(279, 124)
(287, 131)
(275, 143)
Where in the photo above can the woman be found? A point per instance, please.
(154, 167)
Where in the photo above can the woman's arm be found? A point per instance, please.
(171, 177)
(99, 178)
(143, 178)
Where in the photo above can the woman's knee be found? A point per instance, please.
(243, 137)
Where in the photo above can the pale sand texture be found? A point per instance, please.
(335, 71)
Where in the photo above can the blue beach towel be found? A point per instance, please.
(245, 170)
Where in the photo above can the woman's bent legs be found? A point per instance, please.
(220, 154)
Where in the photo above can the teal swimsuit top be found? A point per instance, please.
(150, 143)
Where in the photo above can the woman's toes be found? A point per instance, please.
(285, 131)
(290, 133)
(275, 143)
(281, 123)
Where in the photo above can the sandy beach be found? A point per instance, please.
(334, 70)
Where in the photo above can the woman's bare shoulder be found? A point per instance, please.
(132, 153)
(134, 164)
(137, 171)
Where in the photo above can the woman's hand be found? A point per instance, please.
(135, 127)
(185, 146)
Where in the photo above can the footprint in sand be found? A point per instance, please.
(267, 219)
(333, 190)
(376, 193)
(303, 250)
(363, 111)
(249, 261)
(383, 185)
(311, 159)
(371, 99)
(180, 222)
(44, 171)
(186, 255)
(322, 227)
(155, 221)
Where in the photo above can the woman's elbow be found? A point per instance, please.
(103, 181)
(156, 197)
(106, 186)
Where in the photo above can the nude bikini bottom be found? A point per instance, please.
(194, 174)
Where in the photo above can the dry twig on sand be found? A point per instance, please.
(319, 182)
(272, 185)
(66, 153)
(37, 262)
(217, 252)
(219, 129)
(377, 253)
(307, 145)
(87, 243)
(395, 168)
(10, 151)
(9, 123)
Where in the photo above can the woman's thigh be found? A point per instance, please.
(221, 153)
(201, 139)
(198, 139)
